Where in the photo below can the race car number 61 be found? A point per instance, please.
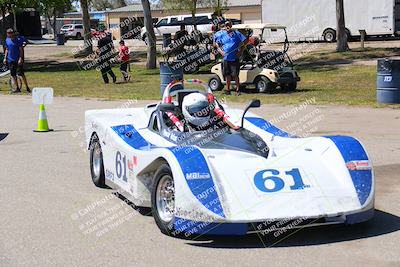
(260, 180)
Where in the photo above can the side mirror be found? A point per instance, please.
(255, 103)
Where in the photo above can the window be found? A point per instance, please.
(78, 27)
(154, 123)
(199, 20)
(162, 22)
(203, 20)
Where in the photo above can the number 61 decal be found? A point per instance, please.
(278, 183)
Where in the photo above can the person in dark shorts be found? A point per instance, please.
(230, 45)
(124, 58)
(14, 58)
(106, 52)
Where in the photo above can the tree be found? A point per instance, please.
(151, 45)
(342, 44)
(100, 5)
(53, 9)
(86, 27)
(119, 3)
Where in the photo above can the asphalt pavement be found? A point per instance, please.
(52, 215)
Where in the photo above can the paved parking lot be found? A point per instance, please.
(47, 197)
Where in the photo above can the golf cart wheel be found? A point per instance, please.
(215, 84)
(96, 163)
(263, 85)
(163, 200)
(329, 35)
(289, 86)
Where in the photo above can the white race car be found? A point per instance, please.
(231, 179)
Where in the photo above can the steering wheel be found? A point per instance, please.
(167, 97)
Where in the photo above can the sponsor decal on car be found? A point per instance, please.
(132, 163)
(197, 176)
(359, 165)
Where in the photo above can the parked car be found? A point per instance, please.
(172, 24)
(72, 31)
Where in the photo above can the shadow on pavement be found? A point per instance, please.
(3, 136)
(382, 223)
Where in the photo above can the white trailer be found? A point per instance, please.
(316, 19)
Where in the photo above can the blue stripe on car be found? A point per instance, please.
(193, 165)
(199, 178)
(268, 127)
(132, 137)
(352, 150)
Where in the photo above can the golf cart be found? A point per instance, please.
(265, 69)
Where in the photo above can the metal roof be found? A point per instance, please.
(257, 26)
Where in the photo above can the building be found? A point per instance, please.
(94, 15)
(27, 23)
(248, 11)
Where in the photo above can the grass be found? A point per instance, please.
(329, 84)
(329, 56)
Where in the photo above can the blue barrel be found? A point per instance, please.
(388, 82)
(167, 39)
(60, 39)
(169, 72)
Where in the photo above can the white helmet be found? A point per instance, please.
(196, 109)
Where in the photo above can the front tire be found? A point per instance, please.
(263, 85)
(146, 39)
(215, 84)
(163, 200)
(96, 163)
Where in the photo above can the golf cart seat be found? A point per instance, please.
(272, 60)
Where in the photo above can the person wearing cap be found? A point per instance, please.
(14, 58)
(106, 49)
(230, 45)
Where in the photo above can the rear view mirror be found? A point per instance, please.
(166, 107)
(255, 103)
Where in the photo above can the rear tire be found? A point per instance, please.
(96, 163)
(163, 200)
(289, 86)
(263, 85)
(215, 84)
(78, 36)
(329, 35)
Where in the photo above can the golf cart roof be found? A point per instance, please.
(255, 26)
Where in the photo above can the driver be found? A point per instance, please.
(199, 112)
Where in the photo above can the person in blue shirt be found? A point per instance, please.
(14, 58)
(230, 45)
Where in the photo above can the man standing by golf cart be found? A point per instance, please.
(230, 45)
